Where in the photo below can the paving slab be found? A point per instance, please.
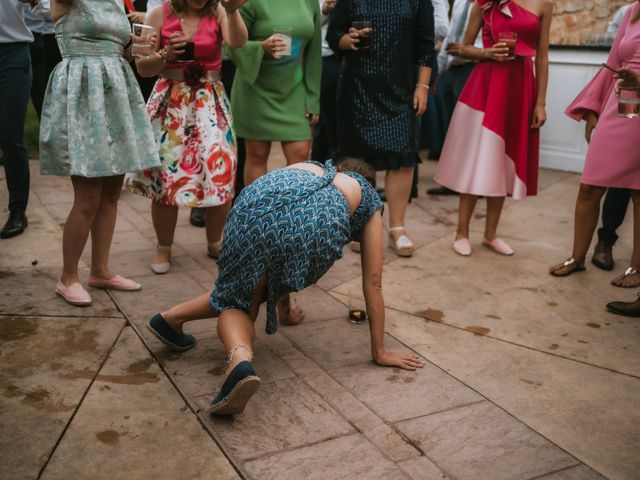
(47, 366)
(133, 424)
(588, 411)
(421, 468)
(283, 414)
(581, 472)
(350, 457)
(482, 441)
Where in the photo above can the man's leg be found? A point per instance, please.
(615, 206)
(15, 84)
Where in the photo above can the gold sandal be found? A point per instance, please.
(629, 272)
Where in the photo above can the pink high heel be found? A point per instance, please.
(74, 294)
(499, 246)
(115, 283)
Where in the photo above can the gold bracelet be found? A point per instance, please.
(423, 85)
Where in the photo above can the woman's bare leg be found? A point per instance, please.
(635, 256)
(215, 219)
(466, 205)
(255, 164)
(494, 210)
(296, 152)
(236, 329)
(397, 188)
(87, 193)
(104, 225)
(164, 219)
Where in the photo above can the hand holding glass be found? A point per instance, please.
(364, 33)
(510, 39)
(284, 34)
(143, 40)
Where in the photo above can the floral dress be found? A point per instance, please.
(292, 225)
(191, 119)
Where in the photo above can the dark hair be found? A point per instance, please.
(359, 166)
(179, 6)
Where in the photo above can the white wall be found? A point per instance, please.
(563, 146)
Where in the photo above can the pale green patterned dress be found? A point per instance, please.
(94, 122)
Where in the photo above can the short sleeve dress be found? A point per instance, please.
(270, 97)
(292, 225)
(94, 122)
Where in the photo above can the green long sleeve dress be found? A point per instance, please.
(271, 97)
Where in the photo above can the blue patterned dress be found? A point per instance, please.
(291, 224)
(94, 121)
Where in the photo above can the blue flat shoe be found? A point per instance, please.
(167, 335)
(236, 391)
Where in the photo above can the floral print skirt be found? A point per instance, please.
(197, 145)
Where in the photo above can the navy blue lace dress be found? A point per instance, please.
(291, 224)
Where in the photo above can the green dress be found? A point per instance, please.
(270, 97)
(94, 121)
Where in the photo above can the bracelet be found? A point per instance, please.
(423, 85)
(164, 55)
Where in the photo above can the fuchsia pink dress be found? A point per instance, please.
(191, 119)
(613, 159)
(490, 148)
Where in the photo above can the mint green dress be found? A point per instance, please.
(270, 97)
(94, 121)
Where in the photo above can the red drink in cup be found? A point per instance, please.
(510, 39)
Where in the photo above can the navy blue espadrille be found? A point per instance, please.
(167, 335)
(236, 391)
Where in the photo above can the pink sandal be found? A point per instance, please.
(74, 294)
(115, 283)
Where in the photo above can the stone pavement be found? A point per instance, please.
(527, 376)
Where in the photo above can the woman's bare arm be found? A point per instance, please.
(542, 64)
(234, 31)
(59, 9)
(372, 260)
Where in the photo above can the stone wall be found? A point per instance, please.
(574, 19)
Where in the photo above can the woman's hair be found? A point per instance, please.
(179, 6)
(357, 165)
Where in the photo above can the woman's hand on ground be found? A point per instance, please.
(274, 45)
(539, 116)
(498, 53)
(405, 361)
(592, 120)
(420, 100)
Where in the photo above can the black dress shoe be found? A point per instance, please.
(603, 256)
(441, 191)
(628, 309)
(197, 217)
(16, 223)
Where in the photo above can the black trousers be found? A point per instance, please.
(15, 84)
(614, 209)
(325, 138)
(228, 73)
(45, 55)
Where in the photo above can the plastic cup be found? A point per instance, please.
(284, 34)
(142, 46)
(510, 38)
(365, 37)
(629, 102)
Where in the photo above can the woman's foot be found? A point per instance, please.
(240, 383)
(629, 279)
(400, 242)
(566, 268)
(74, 294)
(462, 247)
(169, 335)
(161, 259)
(289, 315)
(355, 247)
(499, 246)
(115, 282)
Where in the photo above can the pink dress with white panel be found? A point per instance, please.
(613, 158)
(491, 149)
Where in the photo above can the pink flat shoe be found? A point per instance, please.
(499, 246)
(74, 294)
(462, 247)
(115, 283)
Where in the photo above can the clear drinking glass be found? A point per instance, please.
(629, 102)
(510, 38)
(142, 46)
(365, 37)
(357, 306)
(284, 33)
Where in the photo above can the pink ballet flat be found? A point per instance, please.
(115, 283)
(462, 247)
(74, 294)
(499, 246)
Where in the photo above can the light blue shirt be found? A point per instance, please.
(41, 24)
(13, 28)
(460, 15)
